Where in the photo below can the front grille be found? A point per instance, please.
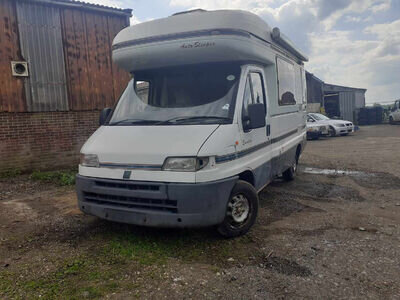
(128, 186)
(132, 202)
(348, 124)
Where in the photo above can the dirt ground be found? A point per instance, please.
(320, 236)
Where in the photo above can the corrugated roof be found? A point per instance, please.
(85, 5)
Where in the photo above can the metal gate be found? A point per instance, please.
(41, 46)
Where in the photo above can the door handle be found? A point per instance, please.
(268, 130)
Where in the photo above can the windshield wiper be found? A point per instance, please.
(183, 119)
(134, 121)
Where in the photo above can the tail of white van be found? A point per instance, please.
(215, 111)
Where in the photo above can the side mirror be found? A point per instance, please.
(256, 116)
(104, 114)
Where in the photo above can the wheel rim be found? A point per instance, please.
(295, 167)
(238, 210)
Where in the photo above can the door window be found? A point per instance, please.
(254, 92)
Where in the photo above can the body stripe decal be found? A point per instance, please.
(236, 155)
(284, 136)
(177, 36)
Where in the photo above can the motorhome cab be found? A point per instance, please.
(214, 111)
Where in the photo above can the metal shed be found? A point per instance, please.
(337, 101)
(341, 101)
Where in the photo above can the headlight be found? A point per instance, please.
(312, 129)
(184, 164)
(89, 160)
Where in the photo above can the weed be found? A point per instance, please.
(57, 177)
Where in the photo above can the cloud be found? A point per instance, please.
(380, 7)
(374, 64)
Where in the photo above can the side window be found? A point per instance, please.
(286, 82)
(253, 93)
(142, 89)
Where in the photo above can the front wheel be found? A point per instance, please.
(391, 121)
(241, 210)
(332, 131)
(290, 173)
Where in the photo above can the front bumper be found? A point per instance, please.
(344, 130)
(155, 203)
(313, 134)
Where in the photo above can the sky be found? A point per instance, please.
(349, 42)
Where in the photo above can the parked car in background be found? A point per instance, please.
(335, 127)
(315, 130)
(394, 115)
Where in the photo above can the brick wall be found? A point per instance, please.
(48, 140)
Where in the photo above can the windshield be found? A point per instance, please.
(319, 117)
(200, 94)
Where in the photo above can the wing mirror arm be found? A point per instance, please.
(104, 115)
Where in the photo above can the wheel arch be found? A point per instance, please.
(247, 176)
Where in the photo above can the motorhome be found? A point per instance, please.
(215, 110)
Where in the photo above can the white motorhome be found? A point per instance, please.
(215, 111)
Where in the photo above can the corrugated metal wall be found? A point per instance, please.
(69, 55)
(360, 99)
(347, 105)
(41, 45)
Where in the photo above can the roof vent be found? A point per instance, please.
(189, 11)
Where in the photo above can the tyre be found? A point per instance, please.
(391, 120)
(290, 173)
(241, 210)
(332, 131)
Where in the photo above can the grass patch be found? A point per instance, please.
(116, 252)
(76, 278)
(149, 246)
(61, 178)
(10, 173)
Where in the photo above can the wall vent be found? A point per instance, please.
(19, 68)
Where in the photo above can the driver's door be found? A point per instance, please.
(254, 140)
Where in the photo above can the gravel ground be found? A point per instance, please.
(320, 236)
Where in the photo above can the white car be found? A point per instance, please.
(315, 130)
(395, 113)
(335, 127)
